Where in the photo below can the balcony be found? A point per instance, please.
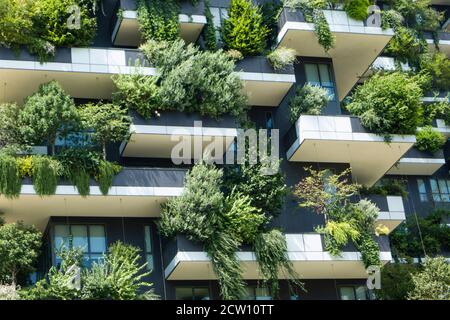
(82, 72)
(392, 210)
(444, 42)
(136, 192)
(125, 25)
(418, 163)
(263, 85)
(357, 45)
(156, 137)
(186, 260)
(342, 139)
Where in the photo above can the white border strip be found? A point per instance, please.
(184, 131)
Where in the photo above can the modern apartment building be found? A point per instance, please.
(334, 140)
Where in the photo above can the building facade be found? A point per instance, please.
(334, 140)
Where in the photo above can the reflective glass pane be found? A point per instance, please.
(149, 259)
(312, 74)
(250, 293)
(80, 239)
(201, 294)
(361, 293)
(325, 78)
(347, 293)
(97, 238)
(434, 186)
(183, 293)
(148, 239)
(421, 185)
(443, 186)
(61, 236)
(262, 294)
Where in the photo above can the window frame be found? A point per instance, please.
(330, 75)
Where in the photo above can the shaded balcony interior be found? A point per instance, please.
(125, 25)
(364, 42)
(416, 162)
(342, 139)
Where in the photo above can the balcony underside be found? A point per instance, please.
(161, 141)
(392, 210)
(417, 166)
(355, 49)
(120, 202)
(126, 31)
(332, 140)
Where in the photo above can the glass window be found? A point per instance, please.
(354, 293)
(148, 247)
(422, 190)
(258, 293)
(440, 190)
(347, 293)
(361, 293)
(190, 293)
(320, 75)
(90, 238)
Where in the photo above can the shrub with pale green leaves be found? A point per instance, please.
(281, 57)
(429, 140)
(308, 99)
(432, 282)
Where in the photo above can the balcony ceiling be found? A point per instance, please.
(417, 166)
(353, 54)
(332, 140)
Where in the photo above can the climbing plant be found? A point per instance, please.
(158, 19)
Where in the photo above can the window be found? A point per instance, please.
(320, 75)
(440, 189)
(422, 190)
(219, 15)
(355, 293)
(269, 124)
(90, 238)
(189, 293)
(148, 247)
(258, 293)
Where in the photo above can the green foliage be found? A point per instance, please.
(312, 11)
(281, 57)
(10, 178)
(47, 114)
(419, 236)
(429, 140)
(194, 81)
(266, 192)
(19, 249)
(105, 175)
(406, 46)
(81, 179)
(15, 15)
(209, 31)
(243, 218)
(9, 130)
(46, 172)
(158, 19)
(370, 252)
(337, 235)
(357, 9)
(271, 253)
(418, 15)
(308, 99)
(137, 92)
(270, 12)
(109, 122)
(117, 277)
(386, 187)
(244, 29)
(396, 281)
(437, 65)
(389, 103)
(50, 20)
(433, 281)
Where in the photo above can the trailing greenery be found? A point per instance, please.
(19, 249)
(209, 31)
(9, 130)
(281, 57)
(47, 114)
(429, 140)
(389, 103)
(312, 11)
(437, 65)
(244, 29)
(10, 178)
(432, 282)
(158, 19)
(43, 25)
(118, 276)
(308, 99)
(420, 236)
(46, 173)
(271, 12)
(331, 195)
(203, 213)
(105, 175)
(189, 81)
